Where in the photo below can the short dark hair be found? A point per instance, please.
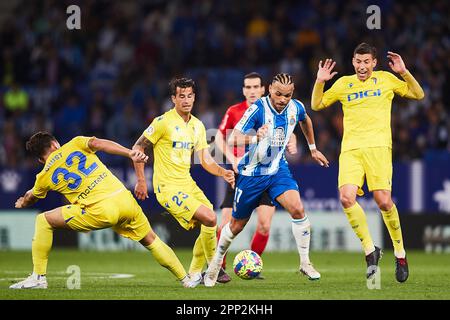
(283, 78)
(180, 83)
(364, 48)
(39, 143)
(253, 75)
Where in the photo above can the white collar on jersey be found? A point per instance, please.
(273, 109)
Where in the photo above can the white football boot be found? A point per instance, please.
(191, 281)
(34, 281)
(308, 270)
(212, 273)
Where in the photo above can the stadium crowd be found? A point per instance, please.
(110, 79)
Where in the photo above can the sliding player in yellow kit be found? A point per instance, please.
(98, 200)
(366, 150)
(175, 135)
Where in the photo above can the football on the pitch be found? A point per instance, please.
(247, 264)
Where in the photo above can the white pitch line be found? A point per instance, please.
(97, 275)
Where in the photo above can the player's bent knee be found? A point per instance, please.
(296, 209)
(148, 239)
(263, 228)
(210, 219)
(385, 205)
(55, 219)
(347, 201)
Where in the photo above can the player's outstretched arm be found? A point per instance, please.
(308, 131)
(140, 189)
(238, 138)
(323, 74)
(112, 147)
(397, 65)
(210, 165)
(27, 200)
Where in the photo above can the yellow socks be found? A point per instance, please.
(167, 258)
(198, 257)
(357, 218)
(41, 245)
(392, 222)
(204, 248)
(209, 241)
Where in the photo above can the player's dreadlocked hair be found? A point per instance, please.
(39, 143)
(283, 78)
(181, 83)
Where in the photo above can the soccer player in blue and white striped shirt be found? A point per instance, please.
(264, 168)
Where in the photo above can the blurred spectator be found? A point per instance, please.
(71, 119)
(15, 100)
(42, 98)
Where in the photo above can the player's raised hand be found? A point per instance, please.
(19, 203)
(320, 158)
(228, 175)
(140, 190)
(325, 71)
(396, 62)
(262, 132)
(138, 156)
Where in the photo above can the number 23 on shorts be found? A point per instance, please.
(179, 198)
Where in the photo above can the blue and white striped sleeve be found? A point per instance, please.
(249, 120)
(301, 110)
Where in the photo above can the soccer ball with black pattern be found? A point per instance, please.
(247, 264)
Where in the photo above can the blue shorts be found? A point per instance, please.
(248, 191)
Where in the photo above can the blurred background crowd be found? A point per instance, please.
(110, 79)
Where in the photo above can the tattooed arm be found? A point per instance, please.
(140, 190)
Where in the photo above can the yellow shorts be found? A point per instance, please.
(182, 202)
(121, 212)
(373, 163)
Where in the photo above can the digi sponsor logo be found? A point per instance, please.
(363, 94)
(182, 145)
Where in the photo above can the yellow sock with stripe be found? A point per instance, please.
(209, 241)
(198, 257)
(167, 258)
(41, 244)
(392, 222)
(357, 218)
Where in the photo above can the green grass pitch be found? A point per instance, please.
(343, 277)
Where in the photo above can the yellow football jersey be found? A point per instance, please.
(367, 108)
(173, 143)
(75, 171)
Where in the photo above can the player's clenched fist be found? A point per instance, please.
(138, 156)
(262, 132)
(19, 203)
